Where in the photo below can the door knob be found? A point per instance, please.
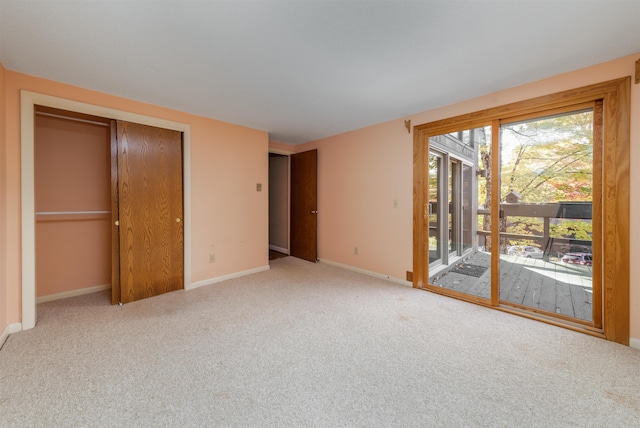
(117, 223)
(177, 220)
(314, 211)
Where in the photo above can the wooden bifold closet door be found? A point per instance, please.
(147, 207)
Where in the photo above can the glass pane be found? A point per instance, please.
(451, 209)
(467, 207)
(435, 172)
(468, 211)
(546, 171)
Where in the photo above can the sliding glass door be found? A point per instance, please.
(525, 207)
(544, 185)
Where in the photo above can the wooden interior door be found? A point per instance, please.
(150, 208)
(304, 206)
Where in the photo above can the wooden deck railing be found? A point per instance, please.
(560, 210)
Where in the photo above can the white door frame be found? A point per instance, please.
(28, 101)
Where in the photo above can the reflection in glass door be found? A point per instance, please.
(446, 181)
(453, 207)
(466, 208)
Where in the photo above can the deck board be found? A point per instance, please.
(532, 295)
(564, 304)
(482, 287)
(549, 286)
(547, 300)
(581, 302)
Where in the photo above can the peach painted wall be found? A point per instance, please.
(362, 173)
(229, 217)
(72, 174)
(283, 147)
(365, 188)
(4, 320)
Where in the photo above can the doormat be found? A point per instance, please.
(470, 270)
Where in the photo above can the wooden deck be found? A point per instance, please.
(550, 286)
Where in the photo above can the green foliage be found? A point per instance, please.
(549, 160)
(574, 229)
(525, 225)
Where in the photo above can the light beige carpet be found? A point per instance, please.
(309, 345)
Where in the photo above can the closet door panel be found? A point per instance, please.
(150, 207)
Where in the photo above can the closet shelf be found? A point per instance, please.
(50, 216)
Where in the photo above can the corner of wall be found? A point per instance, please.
(3, 203)
(281, 148)
(9, 329)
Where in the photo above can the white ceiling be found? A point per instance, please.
(304, 70)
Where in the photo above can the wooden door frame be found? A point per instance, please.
(616, 96)
(28, 101)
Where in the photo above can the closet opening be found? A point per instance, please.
(32, 101)
(72, 204)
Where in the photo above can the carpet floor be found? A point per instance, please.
(306, 344)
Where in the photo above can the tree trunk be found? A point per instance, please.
(486, 222)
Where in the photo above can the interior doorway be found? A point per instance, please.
(293, 204)
(278, 205)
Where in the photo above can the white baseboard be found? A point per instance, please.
(10, 329)
(226, 277)
(73, 293)
(368, 272)
(634, 343)
(279, 249)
